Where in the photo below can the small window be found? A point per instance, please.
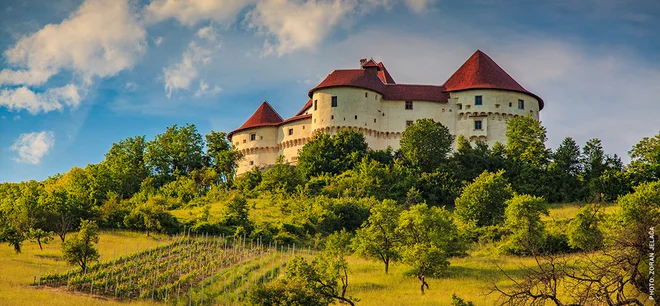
(366, 94)
(521, 104)
(409, 123)
(409, 105)
(460, 106)
(315, 104)
(332, 117)
(251, 163)
(374, 120)
(244, 141)
(477, 124)
(334, 101)
(253, 137)
(477, 100)
(355, 117)
(290, 131)
(509, 104)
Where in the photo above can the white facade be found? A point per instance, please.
(381, 120)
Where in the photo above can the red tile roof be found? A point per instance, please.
(416, 92)
(306, 107)
(370, 63)
(359, 78)
(481, 72)
(478, 72)
(265, 115)
(384, 75)
(296, 118)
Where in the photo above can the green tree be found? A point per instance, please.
(426, 144)
(125, 166)
(482, 203)
(80, 249)
(39, 236)
(583, 230)
(523, 220)
(629, 231)
(332, 154)
(320, 282)
(526, 139)
(178, 151)
(457, 301)
(333, 267)
(147, 216)
(221, 155)
(566, 169)
(236, 214)
(281, 178)
(68, 200)
(376, 239)
(469, 161)
(248, 181)
(645, 159)
(428, 237)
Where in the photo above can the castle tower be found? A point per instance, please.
(257, 138)
(485, 97)
(476, 101)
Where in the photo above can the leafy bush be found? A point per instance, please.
(583, 230)
(523, 220)
(482, 203)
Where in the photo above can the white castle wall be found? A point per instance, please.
(383, 121)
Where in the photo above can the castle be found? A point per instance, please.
(476, 101)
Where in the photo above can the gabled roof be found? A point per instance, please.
(305, 107)
(370, 63)
(481, 72)
(265, 115)
(359, 78)
(384, 75)
(416, 92)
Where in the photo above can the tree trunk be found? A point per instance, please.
(387, 266)
(39, 242)
(423, 281)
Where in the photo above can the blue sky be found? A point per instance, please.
(76, 76)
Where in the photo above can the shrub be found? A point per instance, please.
(483, 202)
(583, 231)
(523, 220)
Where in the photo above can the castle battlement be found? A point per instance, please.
(476, 101)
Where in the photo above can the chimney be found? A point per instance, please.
(362, 61)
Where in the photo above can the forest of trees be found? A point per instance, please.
(419, 205)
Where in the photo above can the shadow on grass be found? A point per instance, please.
(486, 274)
(369, 286)
(49, 256)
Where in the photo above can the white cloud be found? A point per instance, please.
(189, 12)
(207, 33)
(99, 39)
(297, 25)
(158, 40)
(205, 90)
(32, 147)
(130, 86)
(180, 75)
(418, 6)
(23, 98)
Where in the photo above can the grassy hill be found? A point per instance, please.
(469, 277)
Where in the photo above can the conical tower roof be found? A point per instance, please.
(265, 115)
(481, 72)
